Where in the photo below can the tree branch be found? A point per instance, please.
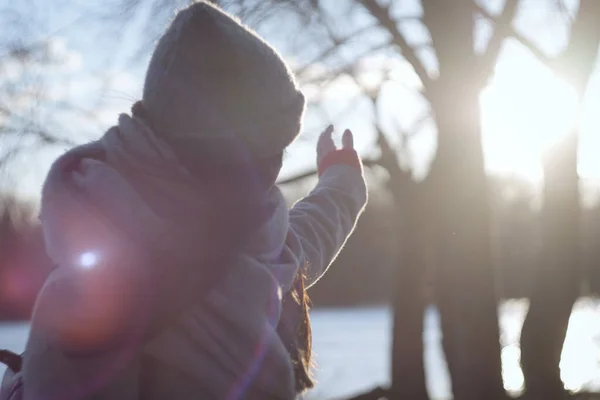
(382, 15)
(337, 43)
(367, 162)
(344, 69)
(502, 29)
(511, 32)
(576, 63)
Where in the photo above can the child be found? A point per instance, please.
(181, 272)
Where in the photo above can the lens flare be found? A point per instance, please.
(88, 260)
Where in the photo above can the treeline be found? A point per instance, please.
(361, 275)
(23, 261)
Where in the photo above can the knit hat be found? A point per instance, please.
(214, 86)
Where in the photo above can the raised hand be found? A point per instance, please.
(325, 145)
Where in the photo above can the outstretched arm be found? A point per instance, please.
(321, 222)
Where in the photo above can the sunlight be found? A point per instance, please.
(514, 382)
(579, 359)
(525, 110)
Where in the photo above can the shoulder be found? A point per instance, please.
(71, 313)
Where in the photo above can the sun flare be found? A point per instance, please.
(525, 110)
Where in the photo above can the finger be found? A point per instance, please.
(348, 140)
(325, 140)
(326, 135)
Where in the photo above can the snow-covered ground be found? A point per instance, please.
(351, 349)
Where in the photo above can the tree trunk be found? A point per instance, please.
(408, 370)
(465, 291)
(557, 283)
(558, 274)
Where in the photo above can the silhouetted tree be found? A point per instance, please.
(515, 233)
(558, 278)
(29, 63)
(591, 247)
(453, 197)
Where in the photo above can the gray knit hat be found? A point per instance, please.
(216, 86)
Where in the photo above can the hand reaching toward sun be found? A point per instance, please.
(328, 154)
(325, 144)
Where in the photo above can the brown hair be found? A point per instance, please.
(295, 332)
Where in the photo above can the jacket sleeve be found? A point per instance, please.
(321, 222)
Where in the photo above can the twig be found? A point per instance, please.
(382, 15)
(502, 29)
(511, 32)
(337, 43)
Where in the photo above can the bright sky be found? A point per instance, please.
(525, 109)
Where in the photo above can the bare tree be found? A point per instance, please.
(456, 193)
(34, 67)
(558, 276)
(453, 197)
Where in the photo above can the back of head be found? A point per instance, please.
(217, 90)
